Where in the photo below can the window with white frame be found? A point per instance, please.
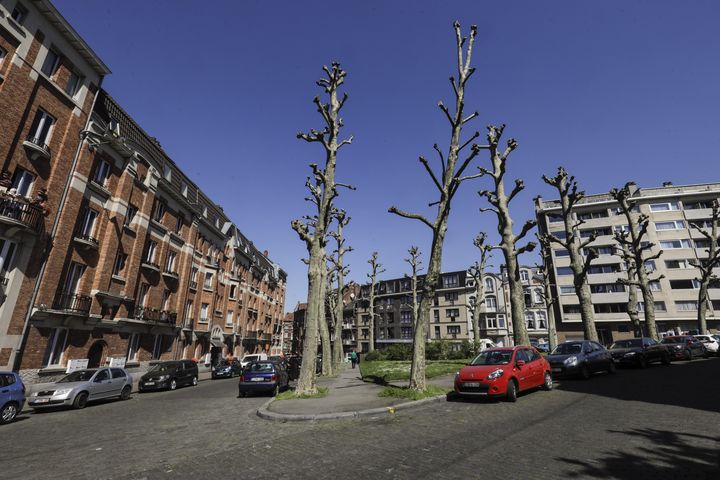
(229, 318)
(119, 265)
(159, 211)
(501, 321)
(489, 285)
(51, 63)
(208, 280)
(133, 345)
(179, 223)
(150, 252)
(491, 321)
(524, 276)
(655, 285)
(72, 280)
(664, 207)
(7, 252)
(673, 244)
(686, 305)
(567, 290)
(449, 281)
(538, 295)
(453, 329)
(561, 253)
(542, 319)
(102, 173)
(490, 302)
(170, 262)
(87, 223)
(143, 294)
(165, 302)
(22, 182)
(157, 347)
(74, 83)
(41, 128)
(530, 320)
(204, 308)
(188, 310)
(670, 225)
(130, 214)
(56, 347)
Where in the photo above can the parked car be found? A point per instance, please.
(710, 342)
(503, 372)
(581, 358)
(684, 347)
(82, 386)
(263, 377)
(12, 396)
(639, 352)
(169, 375)
(253, 357)
(226, 369)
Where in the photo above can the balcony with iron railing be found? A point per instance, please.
(170, 275)
(37, 148)
(151, 266)
(85, 240)
(72, 303)
(16, 211)
(193, 285)
(147, 314)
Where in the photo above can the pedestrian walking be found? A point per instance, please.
(353, 358)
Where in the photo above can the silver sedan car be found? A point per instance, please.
(82, 386)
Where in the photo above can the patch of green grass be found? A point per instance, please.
(410, 394)
(290, 394)
(389, 370)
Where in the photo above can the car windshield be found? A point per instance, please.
(162, 367)
(493, 357)
(634, 343)
(223, 363)
(78, 376)
(261, 367)
(567, 349)
(672, 340)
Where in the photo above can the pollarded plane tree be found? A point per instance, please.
(567, 187)
(376, 269)
(630, 281)
(340, 271)
(636, 249)
(447, 180)
(313, 229)
(707, 264)
(415, 265)
(549, 300)
(499, 201)
(477, 271)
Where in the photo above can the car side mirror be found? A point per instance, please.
(520, 363)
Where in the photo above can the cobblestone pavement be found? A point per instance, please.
(659, 423)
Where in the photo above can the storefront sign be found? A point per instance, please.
(117, 362)
(77, 364)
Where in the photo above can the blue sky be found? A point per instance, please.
(612, 90)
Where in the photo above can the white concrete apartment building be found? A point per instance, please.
(671, 209)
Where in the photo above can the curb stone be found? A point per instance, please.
(266, 414)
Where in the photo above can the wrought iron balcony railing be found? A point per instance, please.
(72, 303)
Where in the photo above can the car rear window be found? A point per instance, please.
(261, 367)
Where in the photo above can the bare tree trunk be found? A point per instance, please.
(341, 271)
(324, 328)
(447, 184)
(548, 298)
(477, 271)
(632, 304)
(706, 265)
(313, 229)
(375, 268)
(414, 262)
(569, 197)
(632, 239)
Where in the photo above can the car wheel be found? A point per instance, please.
(642, 363)
(688, 355)
(585, 372)
(512, 392)
(548, 383)
(8, 413)
(80, 400)
(612, 368)
(194, 381)
(125, 394)
(665, 359)
(173, 384)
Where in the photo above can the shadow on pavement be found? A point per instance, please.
(663, 455)
(683, 384)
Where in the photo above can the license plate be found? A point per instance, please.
(42, 400)
(149, 383)
(471, 384)
(556, 370)
(257, 379)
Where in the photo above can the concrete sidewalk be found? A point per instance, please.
(348, 397)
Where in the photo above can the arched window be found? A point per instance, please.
(530, 320)
(489, 285)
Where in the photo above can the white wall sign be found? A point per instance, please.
(76, 364)
(117, 362)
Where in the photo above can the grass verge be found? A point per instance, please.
(290, 394)
(382, 371)
(409, 394)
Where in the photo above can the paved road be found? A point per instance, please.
(659, 423)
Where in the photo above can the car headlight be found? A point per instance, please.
(629, 354)
(571, 361)
(163, 377)
(496, 374)
(62, 392)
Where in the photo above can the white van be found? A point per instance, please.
(252, 358)
(486, 343)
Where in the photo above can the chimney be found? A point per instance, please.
(667, 184)
(265, 253)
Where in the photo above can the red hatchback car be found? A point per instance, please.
(504, 372)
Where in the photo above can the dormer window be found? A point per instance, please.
(184, 189)
(167, 173)
(19, 13)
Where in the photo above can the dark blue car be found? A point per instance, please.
(263, 377)
(12, 396)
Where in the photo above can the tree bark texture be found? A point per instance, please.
(548, 298)
(341, 271)
(414, 262)
(477, 271)
(325, 345)
(312, 230)
(375, 270)
(632, 303)
(447, 183)
(706, 265)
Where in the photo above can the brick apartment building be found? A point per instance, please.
(670, 209)
(139, 264)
